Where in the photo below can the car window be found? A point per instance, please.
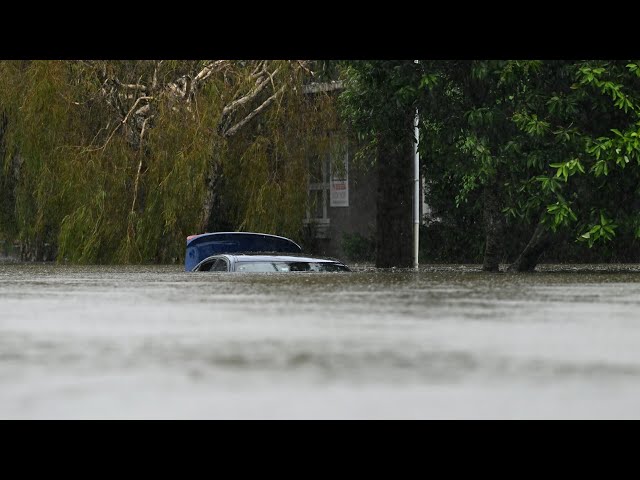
(206, 266)
(266, 267)
(328, 267)
(258, 267)
(220, 266)
(214, 265)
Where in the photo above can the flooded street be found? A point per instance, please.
(447, 342)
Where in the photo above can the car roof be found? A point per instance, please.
(201, 236)
(282, 258)
(274, 257)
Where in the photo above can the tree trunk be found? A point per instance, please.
(210, 205)
(530, 256)
(494, 228)
(6, 185)
(4, 121)
(394, 213)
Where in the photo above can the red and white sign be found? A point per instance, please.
(339, 191)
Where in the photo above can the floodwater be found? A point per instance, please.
(447, 342)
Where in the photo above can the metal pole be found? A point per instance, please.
(416, 195)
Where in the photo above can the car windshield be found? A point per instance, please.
(265, 266)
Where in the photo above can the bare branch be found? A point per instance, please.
(249, 96)
(138, 173)
(173, 88)
(303, 65)
(187, 88)
(135, 187)
(233, 130)
(144, 129)
(108, 139)
(154, 82)
(145, 109)
(124, 120)
(208, 70)
(131, 86)
(120, 124)
(259, 70)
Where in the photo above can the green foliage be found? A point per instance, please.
(578, 118)
(560, 214)
(74, 174)
(594, 118)
(566, 169)
(359, 248)
(267, 173)
(604, 230)
(378, 95)
(561, 139)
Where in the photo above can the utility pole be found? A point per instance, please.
(416, 194)
(416, 190)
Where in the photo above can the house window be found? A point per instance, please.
(328, 185)
(317, 208)
(339, 175)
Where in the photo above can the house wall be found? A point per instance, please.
(359, 217)
(327, 225)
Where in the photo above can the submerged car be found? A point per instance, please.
(252, 252)
(260, 263)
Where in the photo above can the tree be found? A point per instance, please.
(588, 187)
(466, 130)
(117, 161)
(379, 104)
(530, 143)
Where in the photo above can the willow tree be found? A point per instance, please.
(117, 161)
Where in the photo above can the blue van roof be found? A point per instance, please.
(204, 245)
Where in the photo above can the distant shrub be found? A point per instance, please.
(358, 248)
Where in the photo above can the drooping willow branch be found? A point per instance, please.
(233, 130)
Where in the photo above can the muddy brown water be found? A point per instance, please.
(445, 342)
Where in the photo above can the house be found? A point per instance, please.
(342, 200)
